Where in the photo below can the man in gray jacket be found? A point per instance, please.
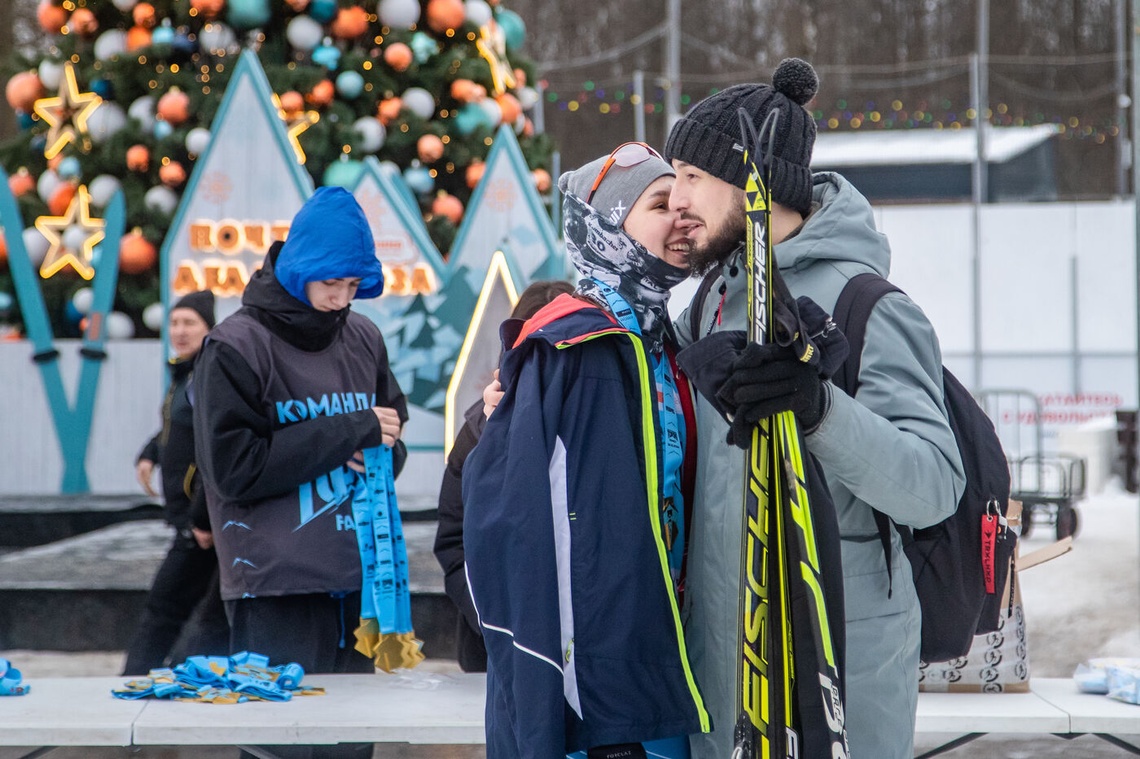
(890, 448)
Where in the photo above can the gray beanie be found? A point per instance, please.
(619, 189)
(708, 136)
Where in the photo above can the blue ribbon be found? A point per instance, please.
(385, 595)
(672, 442)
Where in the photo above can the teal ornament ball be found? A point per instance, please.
(247, 14)
(350, 84)
(6, 302)
(69, 168)
(514, 29)
(423, 47)
(162, 129)
(323, 10)
(343, 173)
(163, 35)
(469, 118)
(419, 179)
(327, 56)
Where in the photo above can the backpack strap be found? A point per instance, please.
(852, 310)
(698, 303)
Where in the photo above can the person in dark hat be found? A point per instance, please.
(187, 579)
(889, 449)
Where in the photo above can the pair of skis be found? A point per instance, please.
(786, 650)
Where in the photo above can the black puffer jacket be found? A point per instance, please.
(471, 652)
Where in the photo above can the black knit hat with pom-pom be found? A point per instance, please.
(708, 136)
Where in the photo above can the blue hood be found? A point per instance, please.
(329, 239)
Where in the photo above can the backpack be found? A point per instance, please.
(961, 564)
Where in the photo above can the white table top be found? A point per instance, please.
(436, 708)
(405, 708)
(76, 711)
(989, 713)
(1088, 712)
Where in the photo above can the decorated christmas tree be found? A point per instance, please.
(125, 93)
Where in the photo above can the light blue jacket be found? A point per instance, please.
(891, 448)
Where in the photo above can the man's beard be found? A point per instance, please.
(719, 247)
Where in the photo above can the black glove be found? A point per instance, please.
(769, 379)
(747, 382)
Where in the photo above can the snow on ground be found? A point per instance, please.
(1086, 603)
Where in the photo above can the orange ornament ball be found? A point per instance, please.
(510, 106)
(174, 106)
(429, 148)
(172, 174)
(83, 22)
(138, 158)
(61, 198)
(322, 94)
(22, 182)
(467, 91)
(3, 247)
(136, 253)
(541, 180)
(143, 15)
(298, 5)
(528, 128)
(399, 56)
(23, 90)
(520, 78)
(292, 101)
(474, 173)
(448, 206)
(388, 110)
(350, 23)
(207, 9)
(445, 15)
(51, 17)
(138, 37)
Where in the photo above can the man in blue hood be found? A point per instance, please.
(288, 391)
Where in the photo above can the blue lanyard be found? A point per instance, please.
(671, 444)
(385, 595)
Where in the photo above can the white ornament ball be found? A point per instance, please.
(73, 237)
(107, 119)
(419, 101)
(153, 317)
(478, 12)
(36, 245)
(82, 298)
(399, 14)
(102, 189)
(493, 111)
(197, 140)
(142, 111)
(217, 38)
(110, 43)
(119, 326)
(50, 73)
(47, 184)
(304, 32)
(124, 5)
(372, 133)
(528, 97)
(161, 198)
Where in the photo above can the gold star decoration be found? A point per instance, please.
(492, 46)
(53, 227)
(66, 114)
(295, 124)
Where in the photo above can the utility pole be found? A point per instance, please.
(979, 76)
(672, 63)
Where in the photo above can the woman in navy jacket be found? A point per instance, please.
(575, 495)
